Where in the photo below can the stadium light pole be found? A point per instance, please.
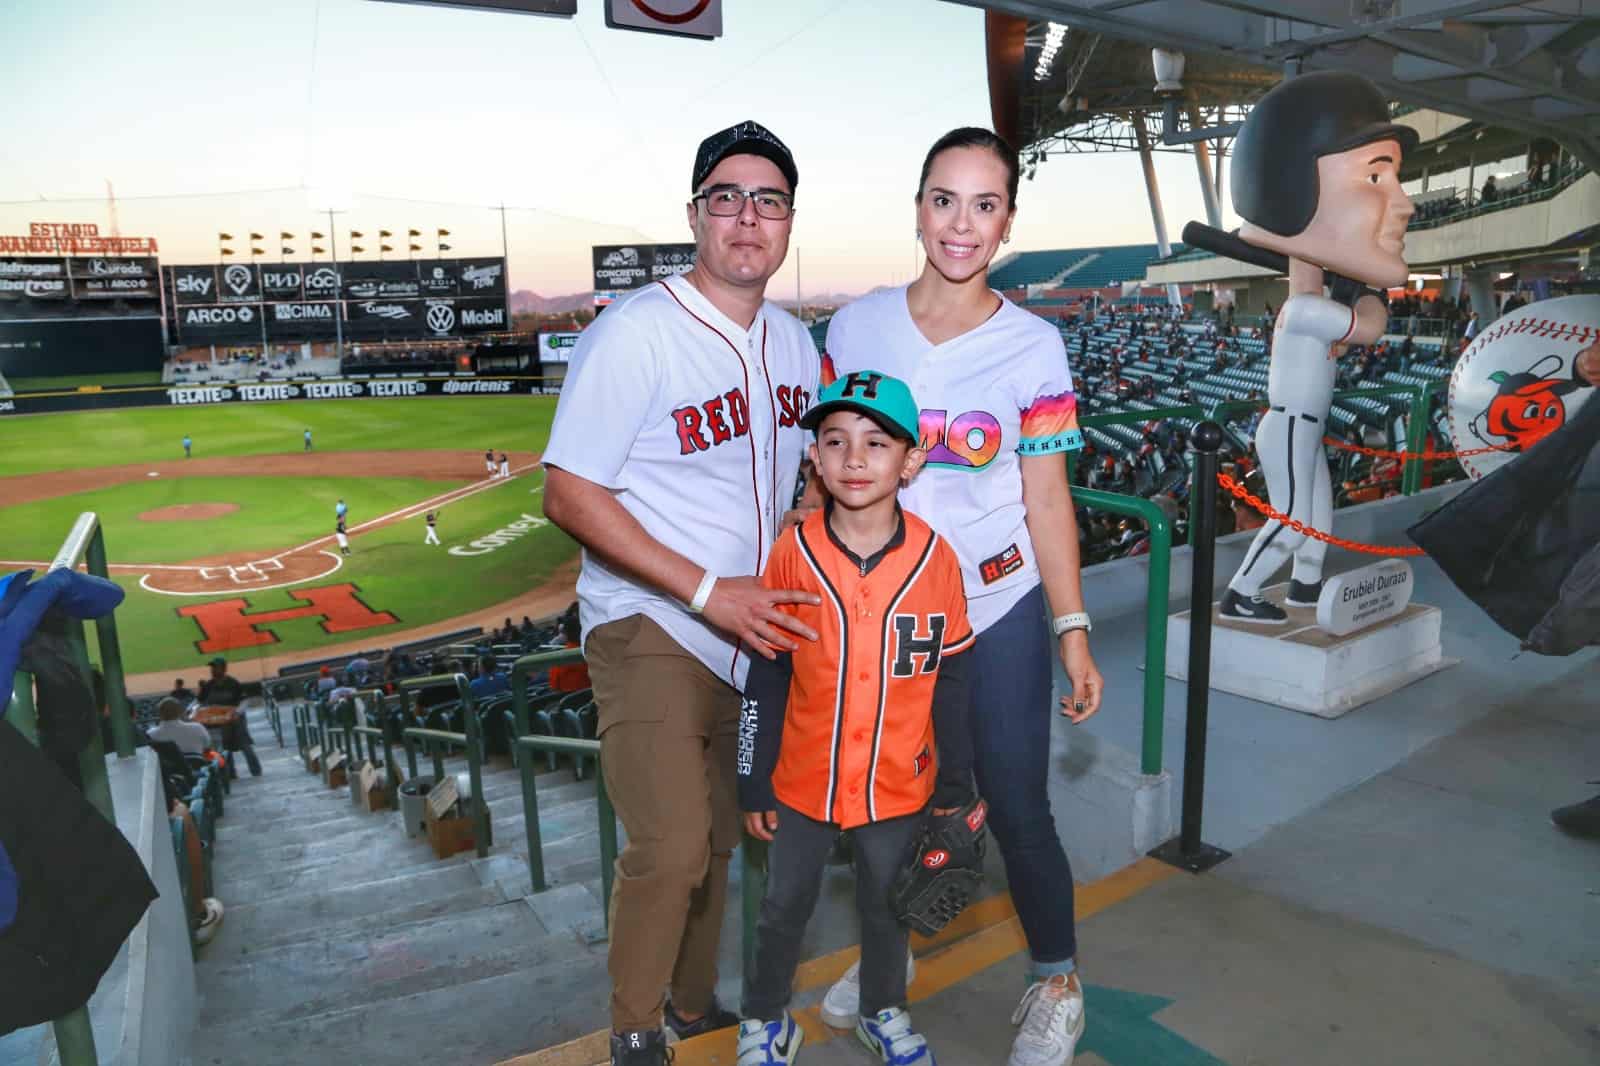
(338, 303)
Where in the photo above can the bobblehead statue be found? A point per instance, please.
(1316, 181)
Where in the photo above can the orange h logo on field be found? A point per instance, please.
(226, 625)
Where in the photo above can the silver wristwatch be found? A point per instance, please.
(1066, 623)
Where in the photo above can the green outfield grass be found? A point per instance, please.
(151, 434)
(77, 381)
(394, 570)
(274, 513)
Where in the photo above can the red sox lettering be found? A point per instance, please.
(723, 418)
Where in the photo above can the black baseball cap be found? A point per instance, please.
(747, 138)
(219, 661)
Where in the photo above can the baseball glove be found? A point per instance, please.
(942, 869)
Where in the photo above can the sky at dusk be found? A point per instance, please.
(232, 116)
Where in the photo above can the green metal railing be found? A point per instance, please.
(437, 741)
(85, 544)
(1155, 613)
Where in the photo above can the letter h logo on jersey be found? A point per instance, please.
(907, 645)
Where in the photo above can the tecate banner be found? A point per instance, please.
(266, 391)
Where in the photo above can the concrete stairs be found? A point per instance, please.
(346, 941)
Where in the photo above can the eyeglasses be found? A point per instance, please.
(725, 201)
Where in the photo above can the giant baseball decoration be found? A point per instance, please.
(1316, 178)
(1516, 383)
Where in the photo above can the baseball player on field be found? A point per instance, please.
(340, 510)
(188, 443)
(488, 462)
(308, 439)
(862, 729)
(505, 465)
(999, 415)
(342, 536)
(433, 528)
(672, 459)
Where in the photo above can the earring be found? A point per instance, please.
(1006, 239)
(919, 235)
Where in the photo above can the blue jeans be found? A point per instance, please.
(1011, 669)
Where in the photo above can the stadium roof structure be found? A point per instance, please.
(1532, 66)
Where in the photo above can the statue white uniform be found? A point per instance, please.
(1288, 441)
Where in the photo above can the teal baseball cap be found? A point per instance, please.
(884, 399)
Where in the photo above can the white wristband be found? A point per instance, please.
(1066, 623)
(702, 592)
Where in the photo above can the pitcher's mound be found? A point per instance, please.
(188, 512)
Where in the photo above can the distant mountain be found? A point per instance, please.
(523, 301)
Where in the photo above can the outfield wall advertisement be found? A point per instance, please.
(427, 299)
(252, 392)
(620, 268)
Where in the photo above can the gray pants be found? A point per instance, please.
(795, 862)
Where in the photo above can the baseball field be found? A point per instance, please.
(232, 551)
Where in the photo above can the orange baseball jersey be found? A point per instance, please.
(857, 724)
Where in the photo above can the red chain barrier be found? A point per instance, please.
(1265, 508)
(1381, 453)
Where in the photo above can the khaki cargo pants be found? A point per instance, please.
(668, 733)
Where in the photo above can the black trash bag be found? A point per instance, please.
(81, 888)
(1524, 542)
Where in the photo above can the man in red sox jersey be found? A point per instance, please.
(673, 456)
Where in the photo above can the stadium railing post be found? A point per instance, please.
(521, 670)
(110, 652)
(1155, 626)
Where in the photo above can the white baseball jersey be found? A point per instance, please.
(987, 397)
(1302, 372)
(694, 423)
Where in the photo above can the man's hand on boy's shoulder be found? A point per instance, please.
(761, 824)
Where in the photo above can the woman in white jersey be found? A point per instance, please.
(998, 417)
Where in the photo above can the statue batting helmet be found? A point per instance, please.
(1275, 155)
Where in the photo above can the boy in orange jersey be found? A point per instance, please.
(865, 728)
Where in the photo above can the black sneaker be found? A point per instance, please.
(1580, 819)
(1302, 594)
(640, 1047)
(1252, 609)
(713, 1019)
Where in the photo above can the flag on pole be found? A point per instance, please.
(413, 233)
(254, 251)
(416, 247)
(444, 233)
(257, 237)
(385, 248)
(287, 250)
(224, 236)
(356, 233)
(317, 236)
(227, 251)
(318, 251)
(385, 233)
(444, 247)
(356, 248)
(286, 236)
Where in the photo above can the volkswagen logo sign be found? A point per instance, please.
(441, 318)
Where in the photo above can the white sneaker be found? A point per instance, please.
(211, 922)
(841, 1007)
(1051, 1016)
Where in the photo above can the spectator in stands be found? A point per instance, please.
(1472, 327)
(491, 680)
(182, 693)
(572, 678)
(221, 689)
(1490, 193)
(325, 681)
(357, 670)
(192, 738)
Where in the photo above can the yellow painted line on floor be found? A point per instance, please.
(984, 934)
